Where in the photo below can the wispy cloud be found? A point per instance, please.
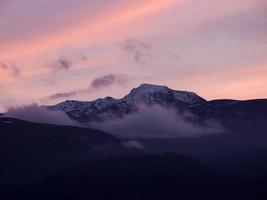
(108, 80)
(12, 68)
(67, 62)
(62, 64)
(62, 95)
(35, 113)
(157, 122)
(135, 144)
(137, 51)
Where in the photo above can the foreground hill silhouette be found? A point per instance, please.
(30, 151)
(167, 176)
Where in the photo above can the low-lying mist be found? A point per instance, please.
(39, 114)
(148, 122)
(157, 122)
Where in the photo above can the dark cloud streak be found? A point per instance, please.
(62, 64)
(96, 84)
(108, 80)
(61, 95)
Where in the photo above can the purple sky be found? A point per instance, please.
(84, 49)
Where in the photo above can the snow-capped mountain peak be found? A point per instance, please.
(148, 94)
(144, 91)
(152, 92)
(150, 88)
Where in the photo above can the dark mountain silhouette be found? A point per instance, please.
(240, 116)
(167, 176)
(42, 161)
(30, 151)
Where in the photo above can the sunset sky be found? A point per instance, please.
(53, 50)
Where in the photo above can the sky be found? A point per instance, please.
(86, 49)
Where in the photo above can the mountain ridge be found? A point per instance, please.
(109, 107)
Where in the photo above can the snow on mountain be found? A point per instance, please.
(147, 93)
(107, 108)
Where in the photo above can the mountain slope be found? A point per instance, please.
(248, 116)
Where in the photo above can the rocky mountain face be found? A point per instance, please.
(145, 94)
